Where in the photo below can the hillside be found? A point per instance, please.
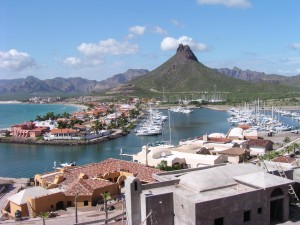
(256, 77)
(184, 73)
(32, 86)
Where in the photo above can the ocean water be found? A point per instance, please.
(18, 113)
(18, 160)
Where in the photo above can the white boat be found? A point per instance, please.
(146, 132)
(73, 163)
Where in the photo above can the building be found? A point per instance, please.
(260, 146)
(83, 184)
(236, 155)
(223, 195)
(188, 156)
(62, 134)
(28, 129)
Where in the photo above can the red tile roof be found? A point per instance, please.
(284, 159)
(86, 186)
(62, 131)
(234, 151)
(259, 142)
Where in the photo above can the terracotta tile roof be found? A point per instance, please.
(216, 139)
(93, 170)
(234, 151)
(62, 131)
(85, 186)
(259, 142)
(284, 159)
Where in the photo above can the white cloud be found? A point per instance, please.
(170, 43)
(109, 47)
(72, 61)
(160, 30)
(176, 23)
(298, 71)
(15, 61)
(78, 62)
(93, 54)
(228, 3)
(295, 45)
(138, 30)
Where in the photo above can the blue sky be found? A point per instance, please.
(96, 39)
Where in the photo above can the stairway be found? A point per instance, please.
(294, 197)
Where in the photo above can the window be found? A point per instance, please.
(219, 221)
(247, 215)
(259, 210)
(135, 185)
(86, 203)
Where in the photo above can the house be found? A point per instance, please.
(186, 155)
(235, 155)
(28, 129)
(222, 195)
(62, 134)
(34, 200)
(58, 189)
(259, 146)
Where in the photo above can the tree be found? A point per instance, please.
(62, 124)
(38, 118)
(106, 196)
(44, 215)
(97, 126)
(286, 140)
(295, 146)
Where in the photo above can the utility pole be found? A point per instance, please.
(76, 217)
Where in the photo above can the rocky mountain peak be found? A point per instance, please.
(184, 52)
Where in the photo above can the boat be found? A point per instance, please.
(73, 163)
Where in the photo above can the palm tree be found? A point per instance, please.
(295, 146)
(106, 196)
(97, 126)
(62, 124)
(44, 215)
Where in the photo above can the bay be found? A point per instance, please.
(18, 160)
(18, 113)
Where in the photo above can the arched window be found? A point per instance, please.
(276, 192)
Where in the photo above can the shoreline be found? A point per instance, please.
(30, 141)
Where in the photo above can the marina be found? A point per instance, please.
(21, 160)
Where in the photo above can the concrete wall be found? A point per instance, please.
(47, 203)
(184, 210)
(133, 190)
(232, 209)
(160, 208)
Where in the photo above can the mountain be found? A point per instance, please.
(32, 86)
(184, 73)
(255, 77)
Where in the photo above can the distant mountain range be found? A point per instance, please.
(181, 73)
(184, 73)
(32, 86)
(256, 77)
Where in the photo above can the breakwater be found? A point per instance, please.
(31, 141)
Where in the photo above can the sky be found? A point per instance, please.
(96, 39)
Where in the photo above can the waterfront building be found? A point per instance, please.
(83, 184)
(222, 195)
(62, 134)
(28, 129)
(187, 156)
